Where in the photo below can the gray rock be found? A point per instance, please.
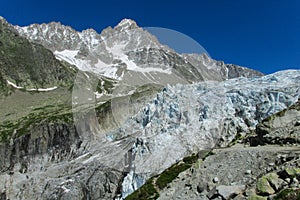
(274, 180)
(263, 186)
(216, 180)
(281, 128)
(200, 188)
(212, 193)
(228, 192)
(240, 197)
(248, 172)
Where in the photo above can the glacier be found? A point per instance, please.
(183, 119)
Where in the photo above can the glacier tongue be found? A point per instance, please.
(187, 118)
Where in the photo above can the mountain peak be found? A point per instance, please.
(2, 19)
(4, 22)
(127, 24)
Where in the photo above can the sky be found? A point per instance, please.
(259, 34)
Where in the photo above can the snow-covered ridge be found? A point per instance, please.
(126, 24)
(107, 53)
(90, 51)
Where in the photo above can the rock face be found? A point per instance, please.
(282, 128)
(52, 161)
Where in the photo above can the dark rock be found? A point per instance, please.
(200, 188)
(212, 193)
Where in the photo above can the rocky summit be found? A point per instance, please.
(118, 115)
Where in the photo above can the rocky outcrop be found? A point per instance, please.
(53, 161)
(218, 70)
(56, 141)
(281, 128)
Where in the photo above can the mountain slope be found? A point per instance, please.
(29, 65)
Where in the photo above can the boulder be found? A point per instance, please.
(275, 181)
(263, 186)
(257, 197)
(231, 191)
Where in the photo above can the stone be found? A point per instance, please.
(200, 188)
(257, 197)
(248, 172)
(288, 180)
(295, 180)
(212, 193)
(263, 186)
(239, 197)
(216, 180)
(292, 172)
(272, 197)
(274, 180)
(228, 192)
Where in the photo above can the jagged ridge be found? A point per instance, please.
(111, 52)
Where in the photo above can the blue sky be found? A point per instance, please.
(263, 35)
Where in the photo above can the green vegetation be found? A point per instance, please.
(263, 186)
(145, 91)
(103, 108)
(150, 190)
(108, 84)
(170, 174)
(190, 159)
(292, 172)
(257, 197)
(274, 116)
(34, 109)
(290, 194)
(238, 137)
(48, 114)
(147, 191)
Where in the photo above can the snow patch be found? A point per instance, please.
(14, 85)
(43, 89)
(32, 89)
